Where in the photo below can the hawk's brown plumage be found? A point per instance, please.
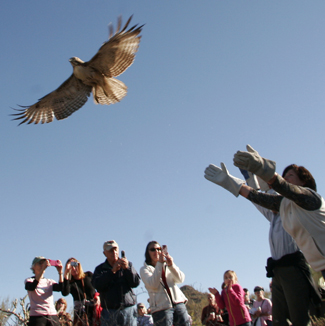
(95, 76)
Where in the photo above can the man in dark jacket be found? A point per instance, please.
(114, 280)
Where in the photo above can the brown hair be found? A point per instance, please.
(303, 174)
(61, 300)
(147, 255)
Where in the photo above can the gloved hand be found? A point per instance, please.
(251, 179)
(253, 162)
(221, 177)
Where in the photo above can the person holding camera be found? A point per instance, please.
(160, 276)
(40, 292)
(114, 280)
(79, 285)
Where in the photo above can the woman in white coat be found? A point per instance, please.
(160, 276)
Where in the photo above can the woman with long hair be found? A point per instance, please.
(78, 284)
(160, 276)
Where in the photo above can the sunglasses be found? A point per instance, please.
(155, 249)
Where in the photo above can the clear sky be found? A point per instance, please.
(209, 78)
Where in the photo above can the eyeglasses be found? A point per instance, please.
(155, 249)
(141, 307)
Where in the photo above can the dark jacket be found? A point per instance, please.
(78, 289)
(115, 289)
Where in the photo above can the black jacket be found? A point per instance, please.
(77, 290)
(115, 289)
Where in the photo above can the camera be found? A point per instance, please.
(164, 250)
(53, 262)
(73, 263)
(123, 254)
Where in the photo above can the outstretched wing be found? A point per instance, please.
(61, 103)
(118, 53)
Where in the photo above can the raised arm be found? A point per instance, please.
(303, 197)
(151, 276)
(268, 201)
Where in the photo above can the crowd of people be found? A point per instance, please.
(296, 213)
(115, 302)
(234, 305)
(106, 296)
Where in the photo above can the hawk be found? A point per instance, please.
(95, 76)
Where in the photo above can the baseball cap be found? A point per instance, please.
(108, 245)
(258, 288)
(37, 260)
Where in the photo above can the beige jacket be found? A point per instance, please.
(308, 229)
(158, 296)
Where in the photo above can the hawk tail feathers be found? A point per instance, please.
(111, 92)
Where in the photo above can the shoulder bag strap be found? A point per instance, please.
(85, 313)
(163, 277)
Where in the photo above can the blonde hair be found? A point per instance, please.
(232, 273)
(81, 274)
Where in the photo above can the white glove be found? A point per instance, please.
(222, 178)
(251, 179)
(253, 162)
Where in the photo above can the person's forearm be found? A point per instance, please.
(178, 275)
(65, 288)
(271, 202)
(264, 314)
(132, 276)
(57, 287)
(303, 197)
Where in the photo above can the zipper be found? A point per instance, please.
(230, 308)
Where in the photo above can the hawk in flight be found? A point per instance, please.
(96, 76)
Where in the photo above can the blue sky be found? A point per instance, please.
(209, 77)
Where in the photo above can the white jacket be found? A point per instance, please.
(308, 229)
(158, 296)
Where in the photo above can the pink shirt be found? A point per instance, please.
(266, 307)
(41, 299)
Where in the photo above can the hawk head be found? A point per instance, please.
(76, 61)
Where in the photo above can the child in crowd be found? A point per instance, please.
(233, 298)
